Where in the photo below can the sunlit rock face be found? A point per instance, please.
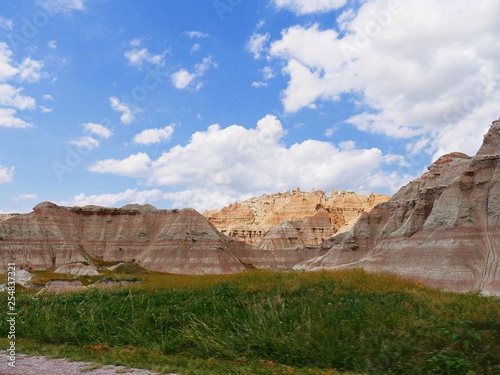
(442, 229)
(258, 221)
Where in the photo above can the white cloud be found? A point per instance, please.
(46, 109)
(138, 56)
(115, 200)
(149, 136)
(52, 44)
(221, 165)
(136, 42)
(30, 70)
(422, 69)
(195, 34)
(268, 74)
(98, 129)
(6, 24)
(259, 84)
(127, 115)
(257, 44)
(25, 197)
(133, 166)
(330, 132)
(7, 70)
(195, 47)
(85, 142)
(61, 6)
(301, 7)
(11, 97)
(47, 97)
(182, 78)
(8, 120)
(6, 174)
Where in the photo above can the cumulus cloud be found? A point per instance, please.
(301, 7)
(221, 165)
(11, 97)
(6, 24)
(9, 120)
(150, 136)
(52, 44)
(98, 129)
(115, 200)
(7, 70)
(195, 34)
(47, 97)
(257, 44)
(6, 174)
(134, 166)
(138, 56)
(267, 73)
(25, 197)
(127, 114)
(85, 142)
(419, 69)
(195, 47)
(182, 78)
(61, 6)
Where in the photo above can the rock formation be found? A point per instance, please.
(251, 221)
(442, 229)
(78, 269)
(310, 231)
(174, 241)
(62, 286)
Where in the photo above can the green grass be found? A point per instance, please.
(267, 323)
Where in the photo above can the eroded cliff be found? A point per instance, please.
(442, 229)
(303, 218)
(174, 241)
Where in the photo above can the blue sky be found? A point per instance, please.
(203, 103)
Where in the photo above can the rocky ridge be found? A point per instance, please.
(174, 241)
(293, 218)
(442, 229)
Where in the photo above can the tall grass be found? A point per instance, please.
(349, 321)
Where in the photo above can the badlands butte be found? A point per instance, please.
(442, 229)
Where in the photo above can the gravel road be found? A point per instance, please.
(27, 365)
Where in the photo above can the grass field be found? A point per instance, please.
(258, 322)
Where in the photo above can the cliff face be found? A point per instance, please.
(442, 229)
(174, 241)
(264, 221)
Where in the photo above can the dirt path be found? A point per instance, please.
(27, 365)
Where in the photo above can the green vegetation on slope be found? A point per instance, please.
(269, 322)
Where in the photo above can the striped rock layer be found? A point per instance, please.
(442, 229)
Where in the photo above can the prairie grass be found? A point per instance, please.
(261, 322)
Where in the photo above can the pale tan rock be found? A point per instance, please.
(250, 220)
(442, 229)
(78, 269)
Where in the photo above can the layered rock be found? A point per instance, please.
(78, 269)
(251, 220)
(7, 216)
(442, 229)
(174, 241)
(311, 231)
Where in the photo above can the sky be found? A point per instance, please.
(201, 103)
